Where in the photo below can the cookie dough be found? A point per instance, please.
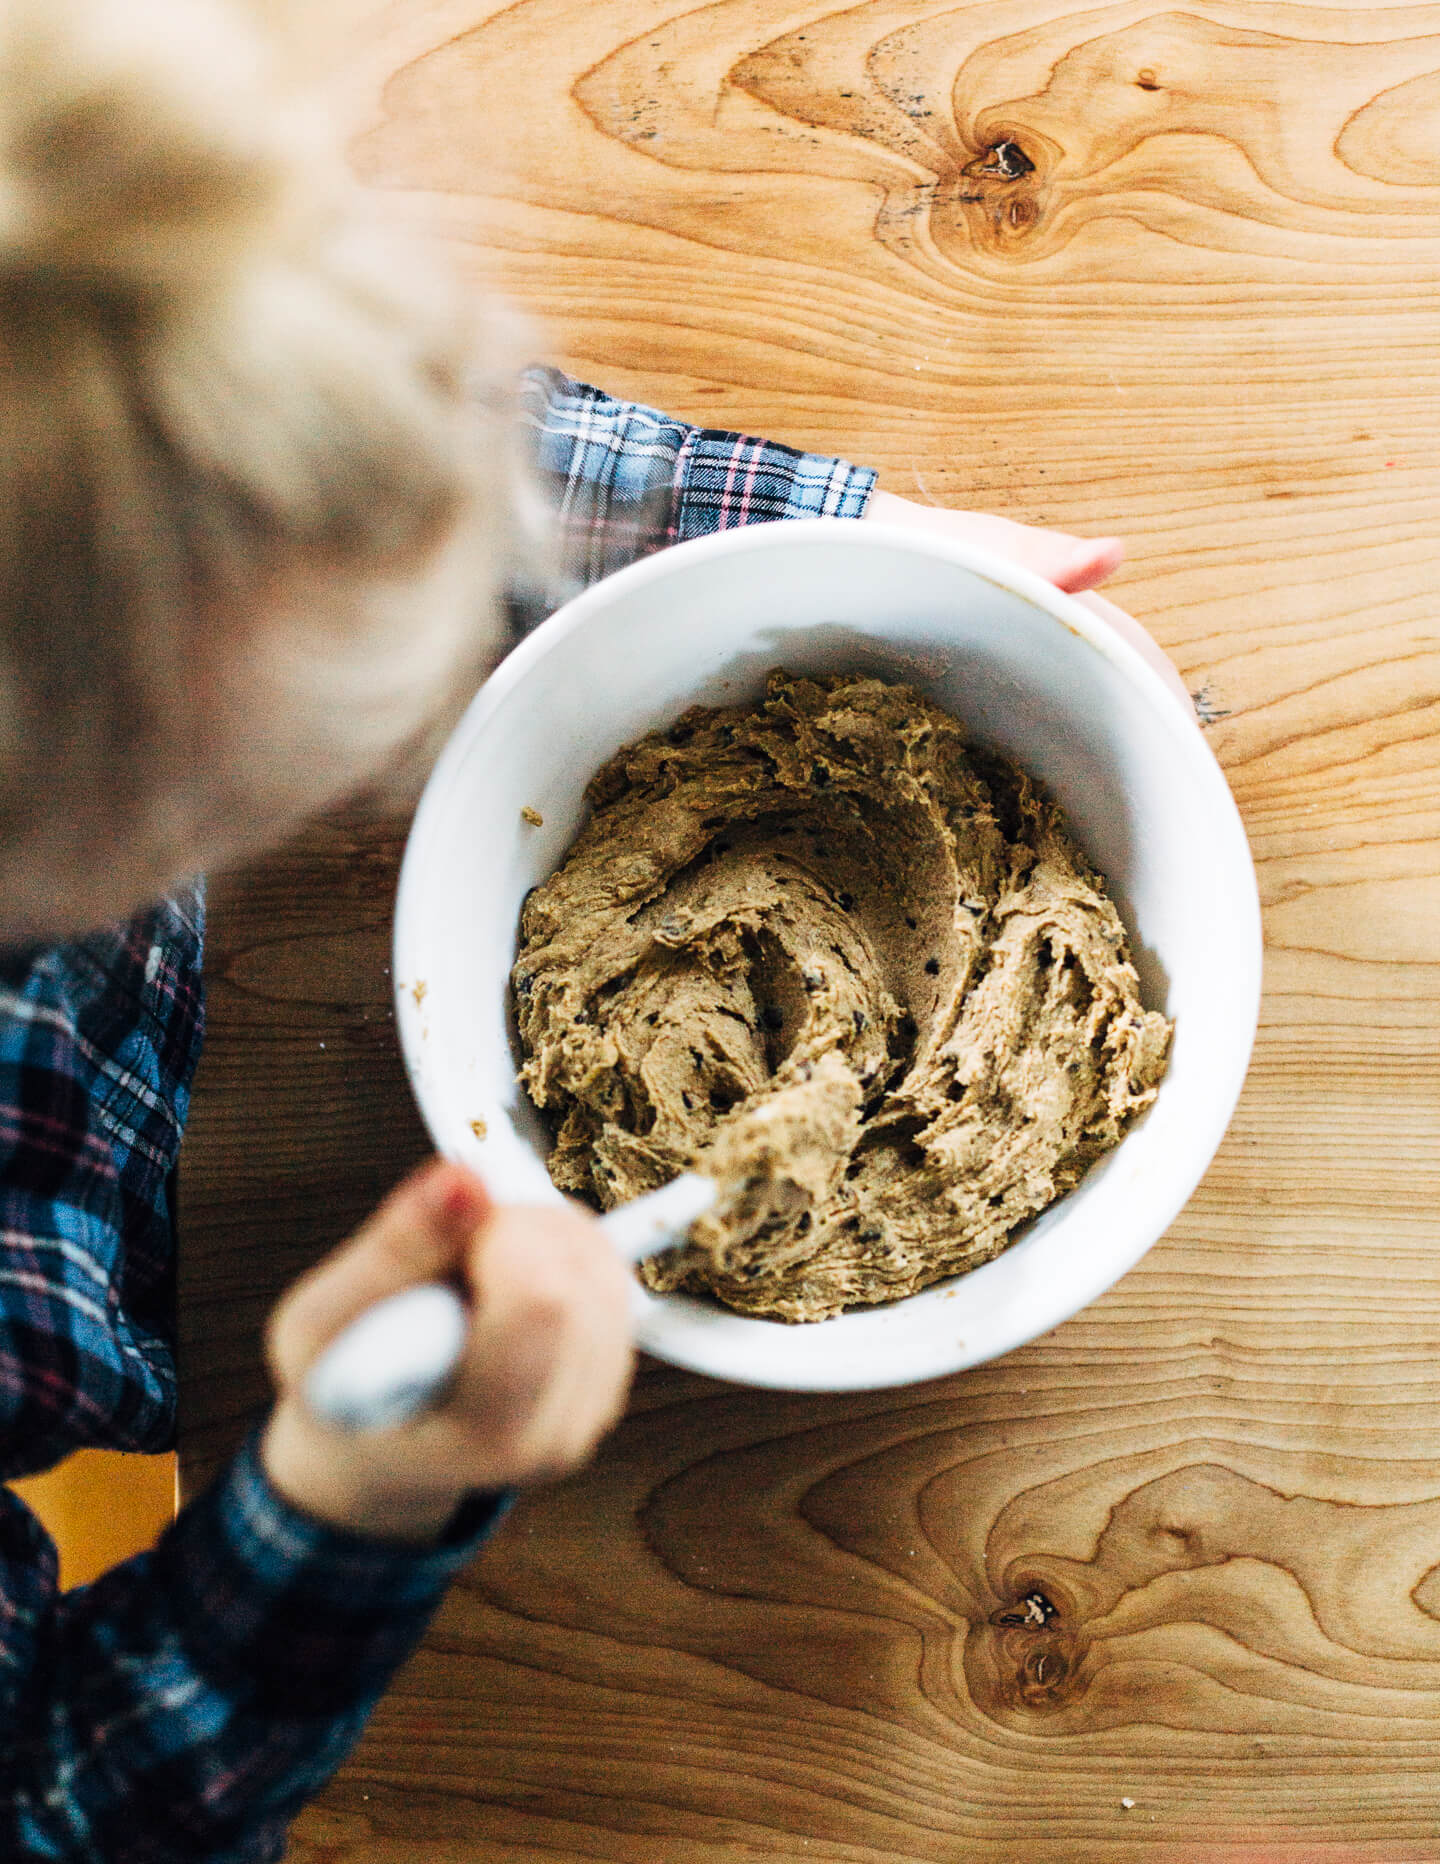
(849, 965)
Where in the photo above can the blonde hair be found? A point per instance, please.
(251, 509)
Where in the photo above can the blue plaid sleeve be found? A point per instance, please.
(186, 1704)
(190, 1701)
(625, 480)
(98, 1045)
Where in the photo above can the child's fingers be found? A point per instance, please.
(422, 1232)
(1071, 563)
(1090, 562)
(585, 1392)
(548, 1359)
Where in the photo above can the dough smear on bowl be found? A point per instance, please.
(852, 967)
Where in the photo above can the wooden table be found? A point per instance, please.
(1165, 1584)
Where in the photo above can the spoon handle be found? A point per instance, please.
(397, 1358)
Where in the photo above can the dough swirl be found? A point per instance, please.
(851, 966)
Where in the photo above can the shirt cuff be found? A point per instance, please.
(723, 480)
(624, 480)
(291, 1612)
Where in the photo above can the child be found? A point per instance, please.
(255, 522)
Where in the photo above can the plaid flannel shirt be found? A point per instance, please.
(187, 1703)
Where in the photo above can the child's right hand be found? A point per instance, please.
(544, 1373)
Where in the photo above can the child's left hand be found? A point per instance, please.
(1071, 563)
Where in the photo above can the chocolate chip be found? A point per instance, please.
(772, 1018)
(914, 924)
(932, 967)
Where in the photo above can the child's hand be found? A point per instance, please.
(1071, 563)
(544, 1373)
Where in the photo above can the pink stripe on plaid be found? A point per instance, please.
(36, 1129)
(755, 448)
(16, 1375)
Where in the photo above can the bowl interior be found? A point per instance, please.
(1025, 669)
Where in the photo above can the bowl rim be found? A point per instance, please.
(1069, 612)
(814, 533)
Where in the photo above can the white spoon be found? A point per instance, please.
(396, 1359)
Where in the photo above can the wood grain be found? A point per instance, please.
(1168, 272)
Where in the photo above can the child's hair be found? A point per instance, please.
(251, 507)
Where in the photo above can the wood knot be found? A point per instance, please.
(1044, 1672)
(1003, 188)
(1027, 1657)
(1033, 1668)
(1034, 1611)
(1002, 161)
(1009, 161)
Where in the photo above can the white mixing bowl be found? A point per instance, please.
(1025, 668)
